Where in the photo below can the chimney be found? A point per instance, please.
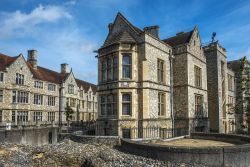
(153, 30)
(32, 58)
(110, 26)
(65, 68)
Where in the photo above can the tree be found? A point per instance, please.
(68, 112)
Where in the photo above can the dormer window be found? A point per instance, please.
(38, 84)
(1, 77)
(71, 89)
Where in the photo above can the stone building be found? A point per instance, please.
(145, 81)
(30, 94)
(189, 81)
(221, 89)
(134, 81)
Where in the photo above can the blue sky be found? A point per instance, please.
(70, 30)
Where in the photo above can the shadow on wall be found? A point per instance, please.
(33, 136)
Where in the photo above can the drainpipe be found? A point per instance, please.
(60, 108)
(171, 57)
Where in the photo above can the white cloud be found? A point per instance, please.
(18, 23)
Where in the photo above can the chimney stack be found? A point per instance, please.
(32, 58)
(110, 26)
(153, 30)
(65, 68)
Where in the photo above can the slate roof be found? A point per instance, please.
(179, 39)
(6, 61)
(123, 36)
(44, 74)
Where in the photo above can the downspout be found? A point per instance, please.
(60, 109)
(171, 57)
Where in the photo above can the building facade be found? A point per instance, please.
(30, 94)
(145, 81)
(221, 90)
(134, 81)
(189, 81)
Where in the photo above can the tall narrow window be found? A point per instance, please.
(19, 79)
(126, 133)
(126, 104)
(114, 112)
(230, 82)
(22, 117)
(103, 70)
(160, 70)
(1, 116)
(13, 116)
(1, 77)
(103, 105)
(115, 69)
(197, 76)
(126, 65)
(51, 101)
(161, 104)
(1, 95)
(109, 69)
(198, 105)
(109, 104)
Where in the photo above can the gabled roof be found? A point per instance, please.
(123, 36)
(179, 39)
(85, 85)
(6, 61)
(45, 74)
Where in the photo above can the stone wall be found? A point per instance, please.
(32, 136)
(107, 140)
(235, 156)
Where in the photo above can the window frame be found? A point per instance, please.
(1, 95)
(127, 66)
(197, 76)
(1, 77)
(129, 102)
(198, 111)
(161, 103)
(160, 71)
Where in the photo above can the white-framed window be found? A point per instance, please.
(126, 65)
(38, 116)
(22, 116)
(71, 89)
(1, 76)
(51, 116)
(51, 100)
(38, 99)
(19, 79)
(51, 87)
(126, 104)
(38, 84)
(20, 97)
(1, 95)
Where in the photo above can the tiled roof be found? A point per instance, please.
(45, 74)
(123, 36)
(179, 39)
(6, 61)
(86, 85)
